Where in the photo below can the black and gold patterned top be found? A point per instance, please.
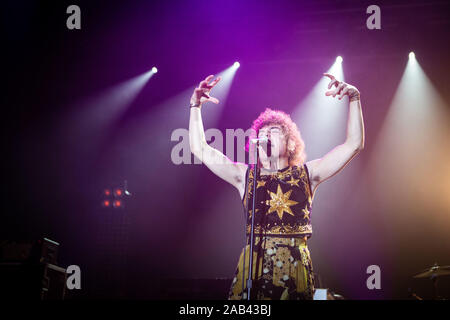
(283, 205)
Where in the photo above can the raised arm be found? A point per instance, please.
(335, 160)
(216, 161)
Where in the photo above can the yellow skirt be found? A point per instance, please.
(282, 270)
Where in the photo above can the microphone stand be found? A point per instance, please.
(249, 279)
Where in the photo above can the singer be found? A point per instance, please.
(285, 189)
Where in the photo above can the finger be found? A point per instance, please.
(201, 91)
(329, 76)
(333, 92)
(333, 82)
(204, 83)
(213, 100)
(212, 84)
(198, 92)
(205, 92)
(343, 93)
(339, 88)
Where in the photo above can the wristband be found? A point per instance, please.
(355, 96)
(197, 105)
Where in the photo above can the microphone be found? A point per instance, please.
(262, 140)
(267, 142)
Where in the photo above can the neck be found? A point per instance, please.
(272, 164)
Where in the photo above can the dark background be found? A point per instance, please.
(182, 222)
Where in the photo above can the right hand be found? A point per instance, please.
(201, 93)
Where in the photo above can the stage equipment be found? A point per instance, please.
(433, 273)
(28, 270)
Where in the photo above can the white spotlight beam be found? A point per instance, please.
(112, 103)
(175, 110)
(220, 91)
(414, 106)
(321, 119)
(223, 87)
(409, 149)
(88, 120)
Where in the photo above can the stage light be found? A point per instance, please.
(118, 192)
(417, 117)
(117, 203)
(107, 192)
(236, 65)
(154, 70)
(93, 116)
(106, 203)
(317, 112)
(339, 59)
(127, 193)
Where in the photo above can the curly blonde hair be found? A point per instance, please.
(297, 157)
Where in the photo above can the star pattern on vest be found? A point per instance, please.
(280, 202)
(293, 182)
(305, 212)
(260, 184)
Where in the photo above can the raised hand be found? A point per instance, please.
(341, 89)
(202, 92)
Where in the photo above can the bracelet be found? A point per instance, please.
(355, 96)
(197, 105)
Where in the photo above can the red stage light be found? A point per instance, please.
(118, 192)
(106, 203)
(107, 192)
(117, 203)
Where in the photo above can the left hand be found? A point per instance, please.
(342, 88)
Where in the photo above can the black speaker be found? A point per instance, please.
(28, 270)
